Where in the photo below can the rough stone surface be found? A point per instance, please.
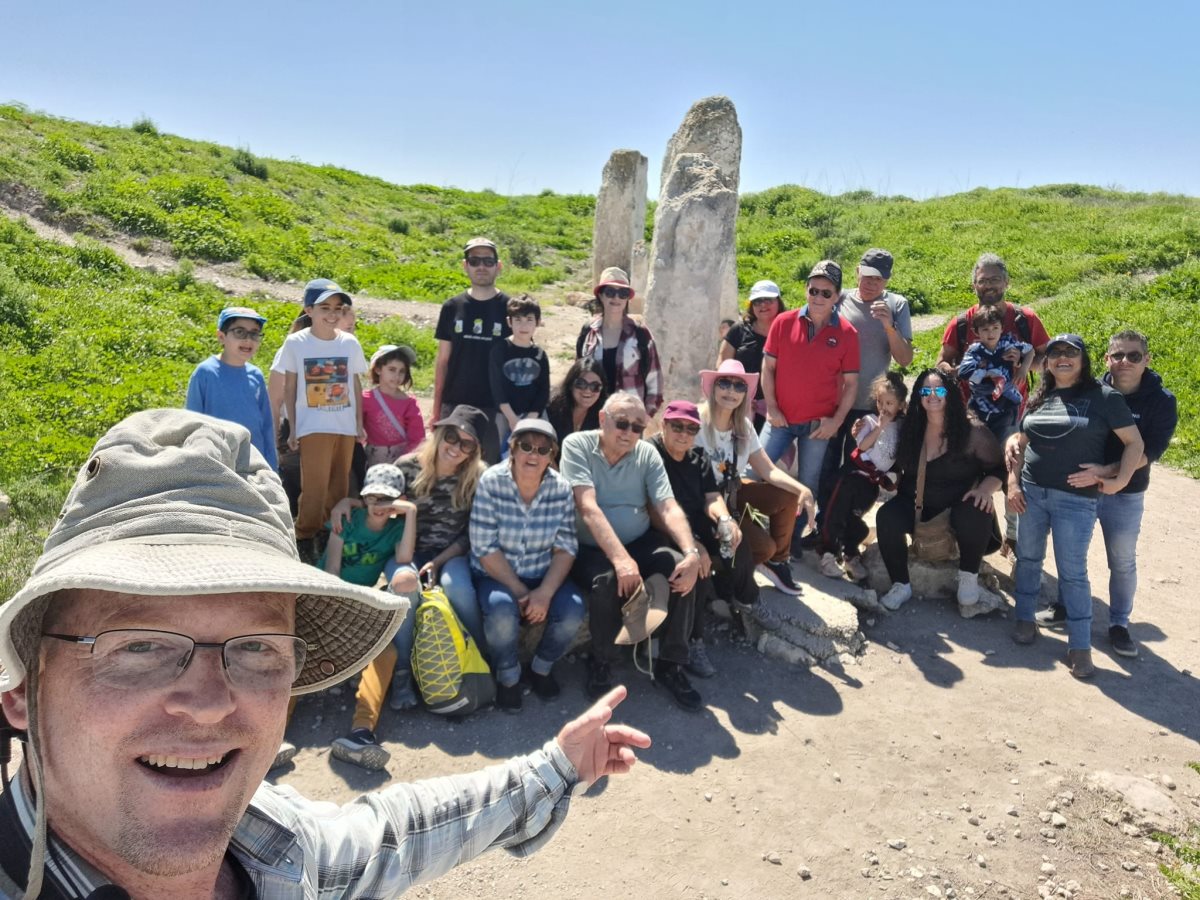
(818, 626)
(940, 581)
(692, 259)
(639, 275)
(711, 128)
(620, 220)
(1152, 808)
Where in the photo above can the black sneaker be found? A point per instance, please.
(599, 679)
(361, 748)
(1051, 617)
(674, 679)
(508, 697)
(1122, 643)
(545, 686)
(780, 575)
(307, 548)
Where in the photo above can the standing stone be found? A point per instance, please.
(639, 276)
(710, 127)
(690, 263)
(620, 220)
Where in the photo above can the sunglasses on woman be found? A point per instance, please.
(618, 293)
(626, 425)
(1066, 351)
(684, 427)
(465, 444)
(587, 387)
(939, 392)
(530, 447)
(732, 384)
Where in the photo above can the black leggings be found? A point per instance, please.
(972, 531)
(844, 528)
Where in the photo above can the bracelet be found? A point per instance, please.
(695, 550)
(724, 519)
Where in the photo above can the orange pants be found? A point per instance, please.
(779, 506)
(324, 479)
(373, 687)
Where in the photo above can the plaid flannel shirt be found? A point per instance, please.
(629, 373)
(377, 846)
(526, 535)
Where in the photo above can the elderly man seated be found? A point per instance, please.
(619, 482)
(522, 546)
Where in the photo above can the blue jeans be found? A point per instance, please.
(455, 579)
(810, 453)
(502, 624)
(1070, 517)
(1120, 518)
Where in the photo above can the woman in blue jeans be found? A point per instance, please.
(523, 544)
(1064, 430)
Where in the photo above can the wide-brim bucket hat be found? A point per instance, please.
(615, 276)
(172, 503)
(730, 368)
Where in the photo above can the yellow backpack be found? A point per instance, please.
(452, 674)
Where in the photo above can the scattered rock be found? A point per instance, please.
(1058, 820)
(708, 797)
(804, 872)
(1048, 868)
(1013, 811)
(897, 843)
(981, 861)
(1129, 866)
(774, 858)
(1010, 744)
(972, 820)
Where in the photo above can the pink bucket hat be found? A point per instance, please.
(731, 368)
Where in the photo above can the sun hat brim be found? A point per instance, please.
(344, 625)
(708, 376)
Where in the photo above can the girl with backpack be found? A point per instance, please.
(391, 417)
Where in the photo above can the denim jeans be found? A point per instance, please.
(1071, 518)
(502, 624)
(455, 579)
(810, 453)
(1120, 518)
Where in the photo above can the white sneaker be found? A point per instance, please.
(968, 588)
(898, 594)
(830, 567)
(854, 568)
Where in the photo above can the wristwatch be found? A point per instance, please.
(695, 550)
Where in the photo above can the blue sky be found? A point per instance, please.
(921, 99)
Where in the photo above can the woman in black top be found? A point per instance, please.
(745, 341)
(576, 402)
(964, 467)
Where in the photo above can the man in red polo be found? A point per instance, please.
(810, 374)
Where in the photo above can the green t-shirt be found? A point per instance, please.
(366, 552)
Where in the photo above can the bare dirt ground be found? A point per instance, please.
(932, 768)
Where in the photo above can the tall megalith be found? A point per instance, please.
(620, 220)
(693, 257)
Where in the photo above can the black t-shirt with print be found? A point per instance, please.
(1070, 428)
(471, 327)
(691, 479)
(747, 347)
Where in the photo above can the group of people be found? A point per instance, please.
(524, 505)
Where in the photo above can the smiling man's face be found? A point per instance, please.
(158, 778)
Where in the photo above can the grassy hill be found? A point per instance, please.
(85, 339)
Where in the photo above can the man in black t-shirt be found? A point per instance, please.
(468, 326)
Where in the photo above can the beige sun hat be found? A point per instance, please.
(173, 503)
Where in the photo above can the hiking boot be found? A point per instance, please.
(1080, 663)
(898, 594)
(307, 548)
(599, 678)
(1122, 643)
(674, 679)
(698, 662)
(854, 568)
(1025, 632)
(830, 567)
(361, 748)
(286, 753)
(779, 573)
(508, 697)
(403, 696)
(545, 686)
(1054, 617)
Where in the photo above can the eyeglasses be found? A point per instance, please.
(588, 387)
(820, 292)
(939, 392)
(143, 659)
(732, 384)
(626, 425)
(465, 444)
(1062, 351)
(377, 500)
(241, 334)
(539, 449)
(1134, 356)
(990, 281)
(481, 261)
(620, 293)
(684, 427)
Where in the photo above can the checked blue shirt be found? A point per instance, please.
(526, 535)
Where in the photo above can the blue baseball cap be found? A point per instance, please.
(238, 312)
(320, 288)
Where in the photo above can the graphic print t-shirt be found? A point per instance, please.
(471, 327)
(1071, 428)
(325, 373)
(520, 377)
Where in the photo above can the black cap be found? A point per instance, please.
(466, 418)
(879, 260)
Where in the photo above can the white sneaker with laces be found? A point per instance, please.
(898, 594)
(968, 588)
(830, 567)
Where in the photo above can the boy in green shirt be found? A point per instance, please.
(385, 528)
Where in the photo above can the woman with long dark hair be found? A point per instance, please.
(576, 402)
(964, 467)
(624, 347)
(1065, 427)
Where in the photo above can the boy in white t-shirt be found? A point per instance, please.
(322, 396)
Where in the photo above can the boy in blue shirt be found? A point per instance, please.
(229, 387)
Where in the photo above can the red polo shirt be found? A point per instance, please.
(1037, 336)
(808, 372)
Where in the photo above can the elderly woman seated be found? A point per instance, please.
(523, 544)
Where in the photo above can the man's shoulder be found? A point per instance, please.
(578, 444)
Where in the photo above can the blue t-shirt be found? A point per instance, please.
(236, 394)
(366, 552)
